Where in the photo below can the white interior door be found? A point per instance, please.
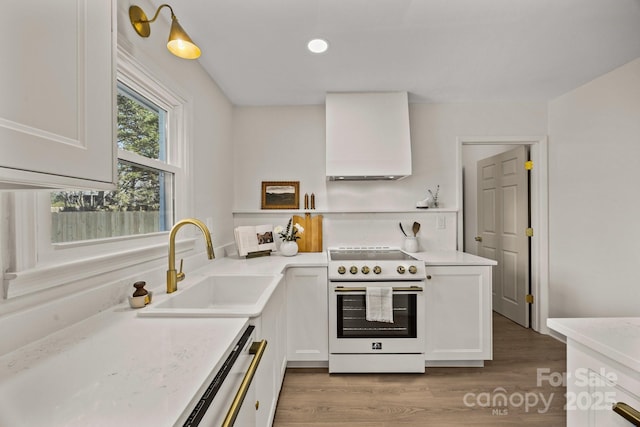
(503, 219)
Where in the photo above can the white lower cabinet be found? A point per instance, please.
(594, 384)
(458, 316)
(307, 311)
(271, 326)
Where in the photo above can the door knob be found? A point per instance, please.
(478, 238)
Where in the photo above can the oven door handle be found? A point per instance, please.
(363, 289)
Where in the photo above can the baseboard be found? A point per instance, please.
(308, 364)
(454, 363)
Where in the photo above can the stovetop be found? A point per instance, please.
(373, 263)
(368, 254)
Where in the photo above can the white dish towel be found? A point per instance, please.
(379, 304)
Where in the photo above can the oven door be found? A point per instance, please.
(351, 333)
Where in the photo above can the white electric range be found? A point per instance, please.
(359, 345)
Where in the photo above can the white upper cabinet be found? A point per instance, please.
(57, 80)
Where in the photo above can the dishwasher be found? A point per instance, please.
(229, 399)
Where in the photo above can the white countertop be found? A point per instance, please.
(438, 258)
(615, 337)
(277, 263)
(114, 369)
(118, 369)
(274, 264)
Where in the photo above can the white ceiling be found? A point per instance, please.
(437, 50)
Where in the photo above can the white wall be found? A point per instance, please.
(437, 127)
(211, 122)
(594, 168)
(278, 144)
(287, 144)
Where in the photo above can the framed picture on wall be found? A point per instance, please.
(280, 194)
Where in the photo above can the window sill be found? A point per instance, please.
(26, 282)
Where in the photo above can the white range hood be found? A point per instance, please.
(368, 136)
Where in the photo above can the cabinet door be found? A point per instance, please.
(307, 314)
(264, 390)
(58, 100)
(458, 313)
(270, 373)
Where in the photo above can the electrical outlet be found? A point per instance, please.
(441, 222)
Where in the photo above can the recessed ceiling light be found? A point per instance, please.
(318, 46)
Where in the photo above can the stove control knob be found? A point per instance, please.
(365, 270)
(353, 269)
(400, 269)
(377, 269)
(413, 269)
(342, 270)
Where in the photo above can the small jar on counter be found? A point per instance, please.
(141, 296)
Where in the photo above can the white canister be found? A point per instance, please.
(411, 244)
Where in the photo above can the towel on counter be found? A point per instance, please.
(379, 304)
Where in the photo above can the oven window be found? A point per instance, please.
(352, 322)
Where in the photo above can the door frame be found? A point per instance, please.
(539, 205)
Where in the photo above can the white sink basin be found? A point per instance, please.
(217, 296)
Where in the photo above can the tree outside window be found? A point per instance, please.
(143, 201)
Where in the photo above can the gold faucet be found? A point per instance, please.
(173, 277)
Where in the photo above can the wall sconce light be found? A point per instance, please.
(180, 44)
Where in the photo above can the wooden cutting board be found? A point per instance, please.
(311, 239)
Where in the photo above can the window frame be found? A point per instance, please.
(136, 160)
(38, 264)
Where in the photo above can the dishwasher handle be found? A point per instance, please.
(257, 349)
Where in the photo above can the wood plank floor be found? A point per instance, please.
(441, 396)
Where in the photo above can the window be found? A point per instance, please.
(110, 231)
(143, 202)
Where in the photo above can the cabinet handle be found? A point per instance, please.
(257, 349)
(428, 277)
(627, 412)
